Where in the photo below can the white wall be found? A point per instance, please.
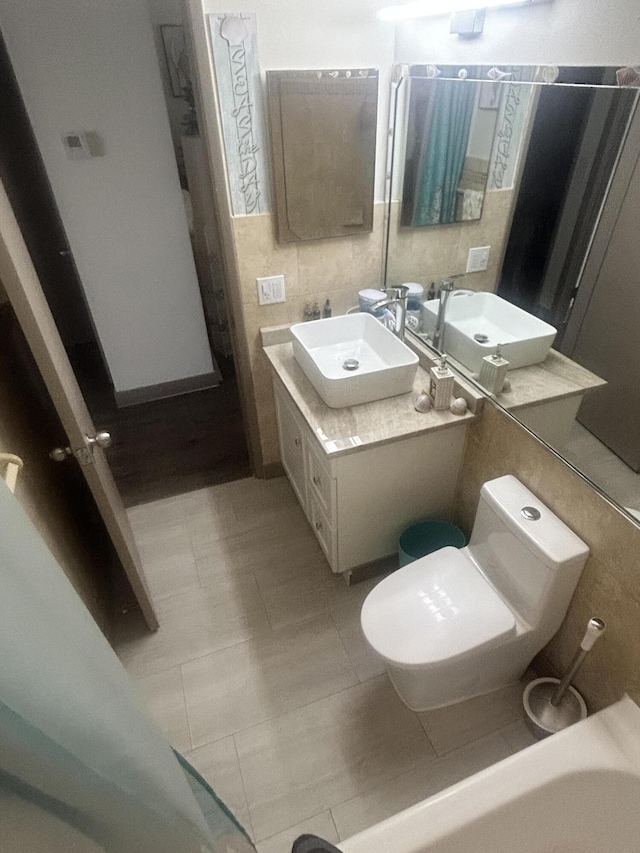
(562, 32)
(91, 64)
(324, 34)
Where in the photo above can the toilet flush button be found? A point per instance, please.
(530, 513)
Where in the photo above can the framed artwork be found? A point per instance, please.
(175, 57)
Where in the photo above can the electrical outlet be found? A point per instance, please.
(478, 259)
(270, 289)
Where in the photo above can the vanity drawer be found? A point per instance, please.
(292, 447)
(321, 483)
(327, 536)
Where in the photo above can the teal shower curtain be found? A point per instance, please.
(443, 156)
(80, 761)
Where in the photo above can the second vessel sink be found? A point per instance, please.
(476, 324)
(353, 359)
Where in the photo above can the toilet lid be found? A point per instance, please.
(433, 610)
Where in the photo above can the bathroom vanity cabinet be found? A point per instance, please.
(358, 497)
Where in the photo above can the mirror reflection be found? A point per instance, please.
(529, 274)
(450, 135)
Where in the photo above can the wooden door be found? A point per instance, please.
(608, 340)
(23, 288)
(602, 333)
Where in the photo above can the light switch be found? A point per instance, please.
(270, 289)
(478, 259)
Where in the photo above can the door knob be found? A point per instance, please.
(100, 439)
(59, 454)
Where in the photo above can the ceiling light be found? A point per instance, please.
(427, 8)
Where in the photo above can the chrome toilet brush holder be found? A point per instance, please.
(552, 704)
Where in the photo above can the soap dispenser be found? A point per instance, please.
(493, 371)
(441, 385)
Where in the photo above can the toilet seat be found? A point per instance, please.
(435, 610)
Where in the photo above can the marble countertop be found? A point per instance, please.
(342, 431)
(556, 378)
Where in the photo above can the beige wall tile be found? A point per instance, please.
(324, 264)
(313, 270)
(610, 584)
(260, 255)
(431, 253)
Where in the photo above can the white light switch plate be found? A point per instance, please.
(478, 259)
(270, 289)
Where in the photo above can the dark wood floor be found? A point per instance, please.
(170, 446)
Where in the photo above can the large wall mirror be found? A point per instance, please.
(524, 196)
(323, 142)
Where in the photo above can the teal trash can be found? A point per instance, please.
(425, 537)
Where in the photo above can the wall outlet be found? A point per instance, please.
(270, 289)
(478, 259)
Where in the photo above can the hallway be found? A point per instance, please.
(171, 446)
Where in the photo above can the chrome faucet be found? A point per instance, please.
(396, 297)
(446, 286)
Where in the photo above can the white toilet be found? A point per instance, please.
(459, 623)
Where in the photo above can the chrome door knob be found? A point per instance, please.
(59, 454)
(101, 439)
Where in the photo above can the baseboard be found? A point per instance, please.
(146, 394)
(272, 470)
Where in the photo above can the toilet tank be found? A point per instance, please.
(531, 557)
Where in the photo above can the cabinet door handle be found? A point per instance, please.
(316, 480)
(318, 525)
(296, 441)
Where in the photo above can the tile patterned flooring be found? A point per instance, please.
(259, 673)
(601, 465)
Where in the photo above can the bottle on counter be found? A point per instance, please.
(441, 385)
(493, 371)
(316, 311)
(326, 311)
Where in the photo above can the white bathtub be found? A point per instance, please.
(576, 792)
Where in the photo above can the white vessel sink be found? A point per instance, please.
(353, 359)
(524, 338)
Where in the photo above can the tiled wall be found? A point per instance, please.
(337, 269)
(314, 271)
(434, 252)
(610, 583)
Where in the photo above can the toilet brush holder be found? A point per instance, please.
(552, 704)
